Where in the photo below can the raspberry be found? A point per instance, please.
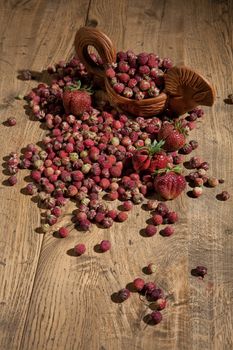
(110, 73)
(122, 216)
(105, 245)
(80, 249)
(150, 230)
(149, 287)
(167, 231)
(162, 209)
(124, 294)
(224, 196)
(124, 78)
(127, 205)
(151, 204)
(63, 232)
(156, 317)
(12, 180)
(213, 182)
(11, 121)
(172, 217)
(197, 191)
(160, 304)
(200, 271)
(118, 88)
(157, 219)
(138, 284)
(151, 268)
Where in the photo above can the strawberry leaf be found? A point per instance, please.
(176, 169)
(156, 147)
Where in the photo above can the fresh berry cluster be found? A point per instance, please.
(160, 216)
(100, 152)
(93, 152)
(198, 177)
(138, 76)
(149, 293)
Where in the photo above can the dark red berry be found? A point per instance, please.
(156, 317)
(150, 230)
(138, 284)
(80, 249)
(124, 294)
(167, 231)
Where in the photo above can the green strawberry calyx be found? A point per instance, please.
(176, 169)
(179, 127)
(78, 87)
(155, 147)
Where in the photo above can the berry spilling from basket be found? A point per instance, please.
(138, 76)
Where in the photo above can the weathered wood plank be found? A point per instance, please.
(71, 304)
(33, 34)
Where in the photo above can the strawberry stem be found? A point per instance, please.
(156, 147)
(178, 126)
(176, 169)
(77, 86)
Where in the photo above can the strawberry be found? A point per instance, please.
(169, 183)
(144, 156)
(173, 135)
(76, 101)
(159, 161)
(141, 159)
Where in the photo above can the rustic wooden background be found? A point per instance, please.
(51, 300)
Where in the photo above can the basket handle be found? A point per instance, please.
(87, 36)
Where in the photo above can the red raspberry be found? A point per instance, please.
(138, 284)
(172, 217)
(157, 219)
(151, 230)
(80, 249)
(167, 231)
(105, 245)
(63, 232)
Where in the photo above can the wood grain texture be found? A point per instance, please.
(33, 34)
(52, 300)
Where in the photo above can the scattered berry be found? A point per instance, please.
(151, 230)
(160, 304)
(80, 249)
(127, 205)
(105, 245)
(213, 181)
(200, 271)
(197, 191)
(151, 268)
(157, 219)
(12, 180)
(224, 196)
(124, 294)
(167, 231)
(138, 284)
(122, 216)
(63, 232)
(151, 204)
(11, 121)
(156, 317)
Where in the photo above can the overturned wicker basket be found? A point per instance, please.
(184, 88)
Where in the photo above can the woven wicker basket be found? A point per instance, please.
(184, 88)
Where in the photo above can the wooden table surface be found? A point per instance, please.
(52, 300)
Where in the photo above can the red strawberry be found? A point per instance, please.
(169, 184)
(173, 135)
(159, 161)
(142, 157)
(75, 100)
